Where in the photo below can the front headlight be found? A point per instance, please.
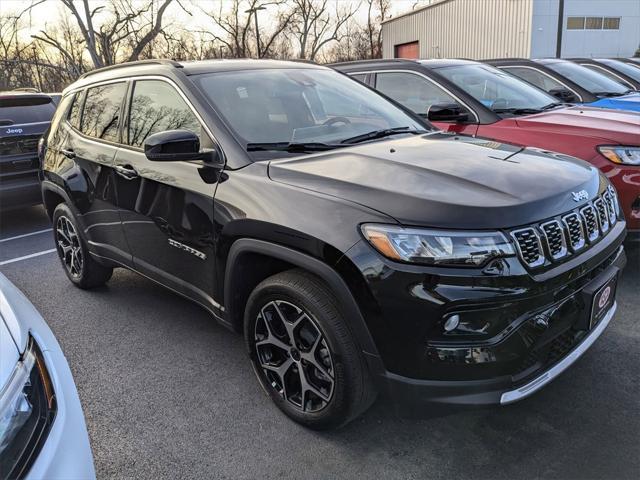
(623, 155)
(436, 247)
(27, 410)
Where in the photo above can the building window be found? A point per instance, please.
(407, 50)
(611, 23)
(593, 23)
(575, 23)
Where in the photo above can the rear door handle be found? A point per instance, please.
(68, 153)
(126, 171)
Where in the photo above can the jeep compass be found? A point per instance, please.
(358, 250)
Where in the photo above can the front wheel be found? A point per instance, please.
(303, 352)
(81, 269)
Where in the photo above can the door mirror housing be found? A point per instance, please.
(564, 94)
(179, 146)
(446, 112)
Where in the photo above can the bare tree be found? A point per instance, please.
(377, 12)
(235, 30)
(318, 23)
(129, 25)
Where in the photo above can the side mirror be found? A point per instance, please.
(446, 112)
(179, 146)
(563, 94)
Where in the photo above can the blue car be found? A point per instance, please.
(572, 83)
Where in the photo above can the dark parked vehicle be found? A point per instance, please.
(571, 82)
(24, 117)
(624, 73)
(358, 250)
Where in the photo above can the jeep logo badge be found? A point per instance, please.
(14, 130)
(581, 195)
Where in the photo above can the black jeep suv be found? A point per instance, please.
(357, 249)
(24, 117)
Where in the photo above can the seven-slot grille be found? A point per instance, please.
(570, 233)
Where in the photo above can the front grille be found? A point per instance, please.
(529, 246)
(575, 231)
(568, 234)
(590, 220)
(603, 215)
(612, 210)
(555, 239)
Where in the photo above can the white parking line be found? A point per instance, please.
(37, 254)
(25, 235)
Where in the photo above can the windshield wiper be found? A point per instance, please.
(553, 105)
(518, 111)
(290, 147)
(609, 94)
(387, 132)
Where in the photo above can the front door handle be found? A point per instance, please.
(68, 153)
(126, 171)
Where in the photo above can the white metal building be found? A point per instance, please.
(478, 29)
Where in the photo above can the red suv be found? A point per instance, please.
(469, 97)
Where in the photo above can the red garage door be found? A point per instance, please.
(407, 50)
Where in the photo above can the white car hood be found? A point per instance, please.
(9, 353)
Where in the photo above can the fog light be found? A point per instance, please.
(452, 323)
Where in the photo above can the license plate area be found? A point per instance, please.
(602, 301)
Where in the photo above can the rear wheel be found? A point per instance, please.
(303, 353)
(81, 269)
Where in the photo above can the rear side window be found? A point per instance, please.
(19, 110)
(102, 111)
(412, 91)
(155, 107)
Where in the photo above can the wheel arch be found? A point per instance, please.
(242, 274)
(52, 196)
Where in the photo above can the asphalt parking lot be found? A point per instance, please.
(168, 393)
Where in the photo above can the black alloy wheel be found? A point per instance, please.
(69, 247)
(294, 355)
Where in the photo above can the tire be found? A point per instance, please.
(83, 271)
(337, 384)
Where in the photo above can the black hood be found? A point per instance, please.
(438, 180)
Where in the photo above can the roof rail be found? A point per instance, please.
(160, 61)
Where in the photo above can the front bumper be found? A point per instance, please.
(421, 365)
(503, 391)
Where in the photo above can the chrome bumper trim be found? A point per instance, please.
(566, 362)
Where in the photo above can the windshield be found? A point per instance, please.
(629, 70)
(300, 106)
(497, 90)
(594, 82)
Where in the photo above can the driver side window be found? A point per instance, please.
(411, 90)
